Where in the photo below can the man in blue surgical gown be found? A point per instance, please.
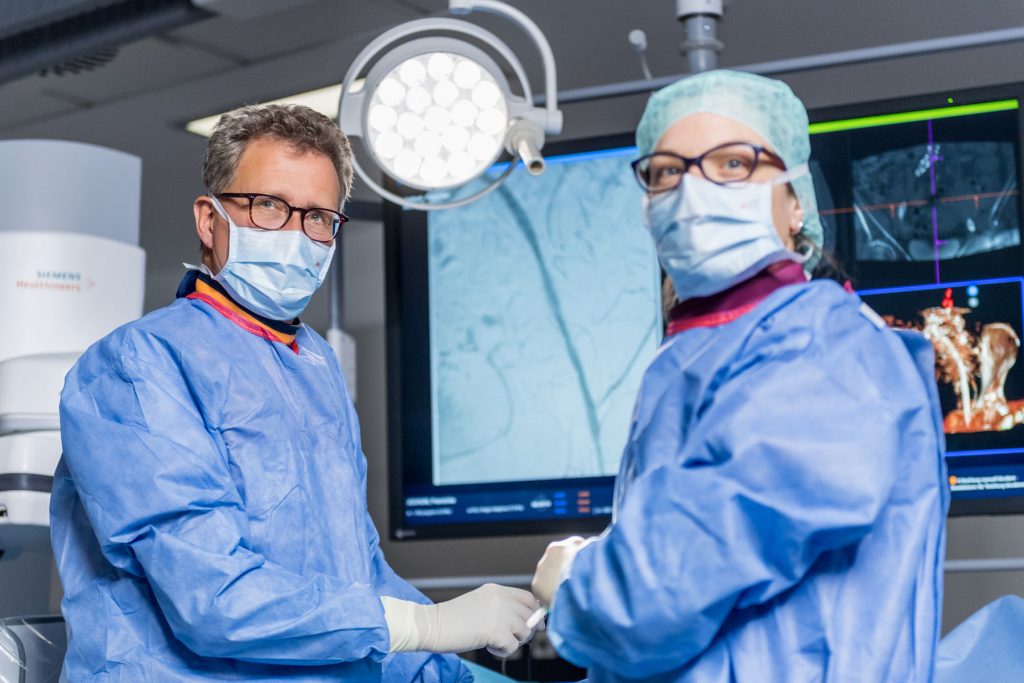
(779, 511)
(209, 515)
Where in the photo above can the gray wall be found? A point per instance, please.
(590, 51)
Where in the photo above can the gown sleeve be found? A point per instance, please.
(794, 456)
(161, 500)
(422, 667)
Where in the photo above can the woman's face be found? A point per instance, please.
(697, 133)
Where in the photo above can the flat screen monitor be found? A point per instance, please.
(519, 326)
(920, 200)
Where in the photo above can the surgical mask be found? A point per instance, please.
(710, 237)
(272, 272)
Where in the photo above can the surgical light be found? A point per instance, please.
(417, 99)
(434, 110)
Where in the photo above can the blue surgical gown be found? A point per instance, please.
(209, 513)
(779, 512)
(986, 647)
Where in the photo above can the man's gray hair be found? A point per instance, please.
(304, 129)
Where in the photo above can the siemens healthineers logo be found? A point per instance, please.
(56, 280)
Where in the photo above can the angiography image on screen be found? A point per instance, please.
(975, 332)
(544, 313)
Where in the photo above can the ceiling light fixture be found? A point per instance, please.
(323, 100)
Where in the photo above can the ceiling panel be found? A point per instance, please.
(16, 17)
(589, 39)
(24, 101)
(299, 27)
(148, 64)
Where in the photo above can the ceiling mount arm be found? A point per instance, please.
(553, 117)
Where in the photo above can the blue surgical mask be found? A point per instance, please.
(272, 272)
(710, 237)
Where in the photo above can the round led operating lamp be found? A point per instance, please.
(433, 110)
(436, 120)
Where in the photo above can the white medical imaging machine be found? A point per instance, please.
(71, 271)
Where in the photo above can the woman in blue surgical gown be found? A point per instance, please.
(780, 504)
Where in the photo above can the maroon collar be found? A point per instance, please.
(724, 307)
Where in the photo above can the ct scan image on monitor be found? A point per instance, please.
(920, 200)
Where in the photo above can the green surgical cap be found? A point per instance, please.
(764, 104)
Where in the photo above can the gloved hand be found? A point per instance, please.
(491, 616)
(554, 566)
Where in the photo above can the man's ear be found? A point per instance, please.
(204, 213)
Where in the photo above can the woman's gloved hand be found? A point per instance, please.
(491, 616)
(554, 566)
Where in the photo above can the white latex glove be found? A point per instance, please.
(491, 616)
(554, 566)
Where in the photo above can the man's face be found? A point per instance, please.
(267, 166)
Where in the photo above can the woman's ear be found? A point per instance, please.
(796, 218)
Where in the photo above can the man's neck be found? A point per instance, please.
(199, 285)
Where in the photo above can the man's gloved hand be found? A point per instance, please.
(553, 566)
(491, 616)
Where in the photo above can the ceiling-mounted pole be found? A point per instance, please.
(807, 63)
(700, 24)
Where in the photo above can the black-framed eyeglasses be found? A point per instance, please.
(273, 213)
(733, 162)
